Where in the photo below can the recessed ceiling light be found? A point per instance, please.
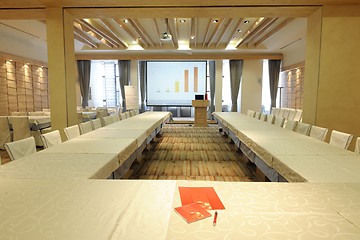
(126, 21)
(246, 21)
(239, 30)
(192, 37)
(215, 20)
(234, 37)
(182, 20)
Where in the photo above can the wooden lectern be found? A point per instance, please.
(200, 112)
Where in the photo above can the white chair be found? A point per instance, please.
(357, 145)
(257, 115)
(107, 120)
(72, 132)
(272, 111)
(340, 139)
(96, 123)
(127, 114)
(279, 121)
(132, 113)
(250, 113)
(20, 148)
(123, 116)
(276, 112)
(102, 112)
(270, 118)
(291, 125)
(5, 133)
(115, 118)
(50, 139)
(298, 115)
(137, 111)
(263, 117)
(303, 128)
(281, 113)
(85, 127)
(21, 127)
(291, 115)
(318, 133)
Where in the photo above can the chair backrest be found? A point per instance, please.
(21, 128)
(19, 114)
(96, 123)
(357, 145)
(250, 113)
(303, 128)
(318, 133)
(72, 132)
(102, 112)
(107, 120)
(132, 112)
(263, 117)
(298, 115)
(115, 118)
(127, 114)
(291, 124)
(137, 111)
(272, 111)
(281, 112)
(276, 112)
(340, 139)
(270, 118)
(51, 138)
(257, 115)
(279, 121)
(291, 115)
(122, 116)
(20, 148)
(85, 127)
(5, 133)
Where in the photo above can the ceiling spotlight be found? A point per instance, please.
(215, 20)
(239, 30)
(182, 20)
(192, 37)
(126, 21)
(246, 21)
(234, 37)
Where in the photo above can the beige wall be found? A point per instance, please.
(218, 85)
(251, 86)
(338, 103)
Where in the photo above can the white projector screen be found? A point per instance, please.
(175, 83)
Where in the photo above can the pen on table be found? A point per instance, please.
(215, 217)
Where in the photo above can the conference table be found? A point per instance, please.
(286, 155)
(50, 194)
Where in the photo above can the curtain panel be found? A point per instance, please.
(84, 67)
(124, 80)
(142, 67)
(212, 85)
(274, 72)
(236, 68)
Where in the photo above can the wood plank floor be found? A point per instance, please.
(193, 153)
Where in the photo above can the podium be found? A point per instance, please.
(200, 112)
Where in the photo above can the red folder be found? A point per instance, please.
(202, 195)
(192, 212)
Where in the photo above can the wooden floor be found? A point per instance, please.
(193, 153)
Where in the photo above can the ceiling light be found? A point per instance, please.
(126, 21)
(192, 37)
(182, 20)
(239, 30)
(234, 37)
(215, 20)
(246, 21)
(166, 36)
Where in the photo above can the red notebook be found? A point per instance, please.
(202, 195)
(192, 212)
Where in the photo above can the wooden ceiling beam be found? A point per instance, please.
(237, 26)
(136, 38)
(277, 28)
(207, 31)
(223, 32)
(104, 33)
(172, 28)
(83, 37)
(249, 31)
(88, 28)
(216, 31)
(260, 29)
(140, 30)
(157, 31)
(114, 32)
(193, 32)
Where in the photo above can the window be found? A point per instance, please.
(266, 99)
(104, 83)
(226, 89)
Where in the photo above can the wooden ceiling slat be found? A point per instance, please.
(216, 31)
(248, 32)
(207, 31)
(104, 33)
(260, 29)
(114, 32)
(140, 30)
(88, 28)
(273, 31)
(84, 38)
(140, 41)
(237, 26)
(157, 31)
(223, 32)
(193, 30)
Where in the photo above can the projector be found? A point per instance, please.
(165, 36)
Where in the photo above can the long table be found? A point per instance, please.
(293, 156)
(143, 209)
